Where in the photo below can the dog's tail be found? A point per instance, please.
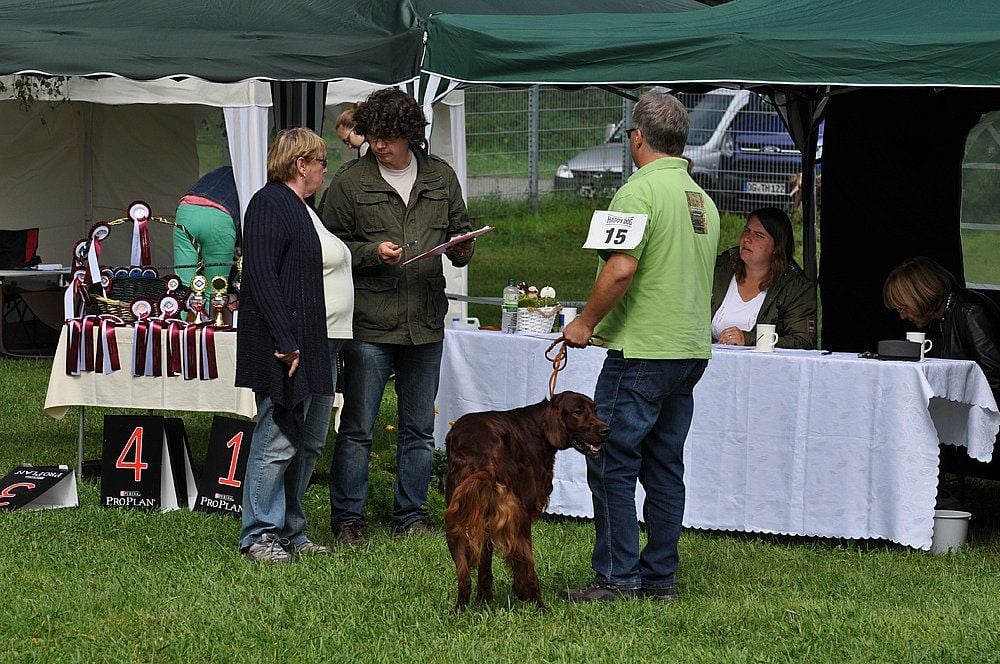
(481, 510)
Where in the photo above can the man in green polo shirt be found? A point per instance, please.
(652, 304)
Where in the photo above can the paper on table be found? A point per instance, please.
(443, 247)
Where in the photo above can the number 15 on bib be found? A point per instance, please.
(612, 231)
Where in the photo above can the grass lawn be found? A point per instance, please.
(92, 584)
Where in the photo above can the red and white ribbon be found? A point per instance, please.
(189, 352)
(209, 368)
(139, 213)
(80, 348)
(73, 303)
(107, 360)
(175, 355)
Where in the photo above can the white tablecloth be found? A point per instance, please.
(123, 390)
(790, 442)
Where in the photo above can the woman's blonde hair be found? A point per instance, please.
(919, 284)
(346, 119)
(288, 146)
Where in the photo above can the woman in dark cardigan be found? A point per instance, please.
(282, 348)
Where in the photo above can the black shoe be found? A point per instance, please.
(659, 594)
(597, 593)
(351, 532)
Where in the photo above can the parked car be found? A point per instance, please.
(597, 171)
(739, 149)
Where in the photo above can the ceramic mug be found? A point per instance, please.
(920, 338)
(766, 338)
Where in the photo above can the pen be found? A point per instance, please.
(407, 245)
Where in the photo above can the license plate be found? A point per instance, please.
(764, 187)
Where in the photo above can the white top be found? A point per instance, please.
(735, 312)
(338, 284)
(402, 181)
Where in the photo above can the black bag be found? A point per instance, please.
(17, 249)
(893, 349)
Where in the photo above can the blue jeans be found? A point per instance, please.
(648, 405)
(367, 368)
(277, 474)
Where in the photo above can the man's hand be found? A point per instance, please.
(291, 359)
(390, 253)
(461, 252)
(578, 333)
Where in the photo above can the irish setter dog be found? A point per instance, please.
(499, 481)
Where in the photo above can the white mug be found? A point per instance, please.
(766, 338)
(920, 338)
(568, 314)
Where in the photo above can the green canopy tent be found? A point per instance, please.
(915, 70)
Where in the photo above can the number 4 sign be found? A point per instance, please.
(611, 231)
(221, 486)
(146, 463)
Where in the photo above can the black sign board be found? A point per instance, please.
(38, 488)
(221, 486)
(145, 463)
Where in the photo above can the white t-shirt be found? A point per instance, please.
(734, 312)
(338, 284)
(402, 181)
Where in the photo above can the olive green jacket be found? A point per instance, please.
(789, 305)
(395, 304)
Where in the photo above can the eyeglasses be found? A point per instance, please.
(323, 161)
(628, 132)
(346, 141)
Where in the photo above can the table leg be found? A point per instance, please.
(79, 446)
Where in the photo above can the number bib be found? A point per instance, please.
(615, 230)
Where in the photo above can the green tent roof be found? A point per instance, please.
(746, 42)
(233, 40)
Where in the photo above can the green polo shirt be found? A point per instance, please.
(666, 312)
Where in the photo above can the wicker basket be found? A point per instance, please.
(118, 302)
(538, 321)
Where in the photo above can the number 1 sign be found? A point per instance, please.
(221, 486)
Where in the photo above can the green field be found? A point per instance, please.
(91, 584)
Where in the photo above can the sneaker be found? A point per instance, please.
(350, 532)
(597, 593)
(311, 548)
(270, 548)
(418, 527)
(665, 595)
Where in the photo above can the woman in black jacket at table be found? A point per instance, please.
(961, 324)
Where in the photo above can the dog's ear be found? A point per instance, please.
(554, 425)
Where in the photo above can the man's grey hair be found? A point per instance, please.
(664, 122)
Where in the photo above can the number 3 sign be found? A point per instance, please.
(615, 230)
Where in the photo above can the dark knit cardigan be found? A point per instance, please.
(282, 306)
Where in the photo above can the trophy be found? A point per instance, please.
(196, 300)
(219, 299)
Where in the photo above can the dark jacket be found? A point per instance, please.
(282, 307)
(789, 305)
(219, 186)
(969, 330)
(395, 304)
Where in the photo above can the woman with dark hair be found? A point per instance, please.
(961, 324)
(758, 281)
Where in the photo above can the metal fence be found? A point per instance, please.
(526, 143)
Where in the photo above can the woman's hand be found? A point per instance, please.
(732, 336)
(390, 253)
(291, 359)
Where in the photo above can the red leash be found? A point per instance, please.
(560, 359)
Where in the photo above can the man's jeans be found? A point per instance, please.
(276, 477)
(367, 368)
(648, 405)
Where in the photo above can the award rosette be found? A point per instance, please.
(38, 488)
(172, 283)
(146, 339)
(139, 212)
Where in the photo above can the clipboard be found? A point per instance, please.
(444, 246)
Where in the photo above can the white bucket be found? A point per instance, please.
(950, 530)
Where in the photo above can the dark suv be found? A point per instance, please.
(764, 166)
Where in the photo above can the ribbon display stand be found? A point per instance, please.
(38, 488)
(221, 486)
(146, 463)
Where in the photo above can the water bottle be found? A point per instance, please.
(508, 315)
